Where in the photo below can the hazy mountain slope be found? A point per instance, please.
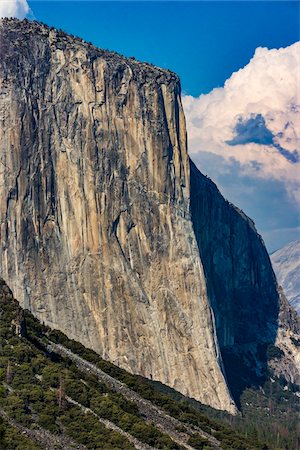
(286, 264)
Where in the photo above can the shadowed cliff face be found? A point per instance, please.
(249, 313)
(96, 235)
(241, 283)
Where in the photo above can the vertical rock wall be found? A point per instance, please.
(241, 285)
(96, 237)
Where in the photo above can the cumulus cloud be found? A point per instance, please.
(254, 119)
(14, 8)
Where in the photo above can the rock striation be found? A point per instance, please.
(239, 275)
(249, 309)
(96, 232)
(100, 235)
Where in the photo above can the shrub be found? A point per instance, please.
(198, 442)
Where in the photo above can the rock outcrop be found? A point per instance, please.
(239, 275)
(250, 311)
(96, 233)
(288, 341)
(99, 233)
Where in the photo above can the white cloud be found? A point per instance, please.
(254, 119)
(14, 8)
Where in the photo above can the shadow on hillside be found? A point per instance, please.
(241, 376)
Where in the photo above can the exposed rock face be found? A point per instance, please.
(250, 312)
(100, 236)
(288, 340)
(241, 283)
(96, 234)
(286, 264)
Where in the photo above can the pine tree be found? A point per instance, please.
(9, 374)
(61, 393)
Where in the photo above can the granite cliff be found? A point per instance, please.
(250, 310)
(96, 234)
(100, 235)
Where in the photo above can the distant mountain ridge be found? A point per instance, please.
(286, 264)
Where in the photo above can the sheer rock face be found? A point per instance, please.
(250, 311)
(288, 340)
(96, 234)
(99, 234)
(241, 284)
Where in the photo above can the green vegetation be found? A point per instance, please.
(35, 385)
(198, 442)
(11, 439)
(269, 413)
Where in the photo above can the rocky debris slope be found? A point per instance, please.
(286, 265)
(108, 424)
(169, 425)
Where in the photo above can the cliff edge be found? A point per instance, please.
(109, 233)
(96, 233)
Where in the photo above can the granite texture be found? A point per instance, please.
(96, 233)
(250, 310)
(100, 235)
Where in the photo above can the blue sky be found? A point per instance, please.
(204, 42)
